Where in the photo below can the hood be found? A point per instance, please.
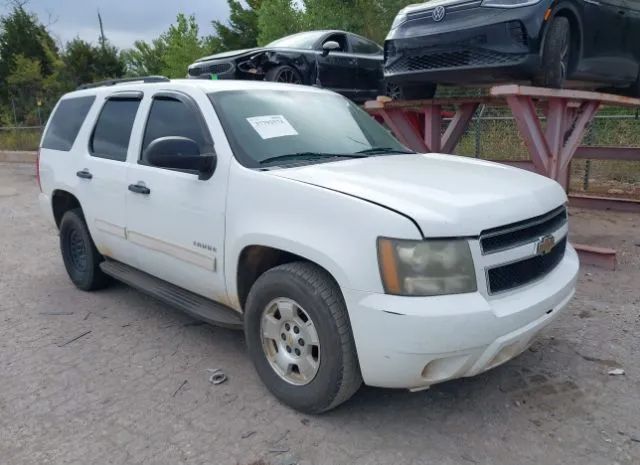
(230, 54)
(428, 5)
(447, 196)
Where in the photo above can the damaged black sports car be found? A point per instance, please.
(336, 60)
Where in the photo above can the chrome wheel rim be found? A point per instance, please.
(288, 76)
(290, 341)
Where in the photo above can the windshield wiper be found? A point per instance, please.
(377, 150)
(310, 156)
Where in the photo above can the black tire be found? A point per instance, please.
(338, 375)
(411, 91)
(634, 90)
(556, 55)
(79, 253)
(285, 74)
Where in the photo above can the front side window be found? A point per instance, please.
(111, 135)
(363, 46)
(66, 122)
(170, 117)
(268, 126)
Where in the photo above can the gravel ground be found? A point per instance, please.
(116, 377)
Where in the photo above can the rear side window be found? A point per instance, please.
(66, 122)
(111, 135)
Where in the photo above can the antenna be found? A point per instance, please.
(103, 39)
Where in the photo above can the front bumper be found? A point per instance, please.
(414, 342)
(495, 44)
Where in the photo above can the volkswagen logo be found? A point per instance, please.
(439, 13)
(545, 245)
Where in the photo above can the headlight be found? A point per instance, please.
(425, 268)
(400, 18)
(509, 3)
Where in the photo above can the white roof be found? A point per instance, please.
(205, 85)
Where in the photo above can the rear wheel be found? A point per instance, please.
(634, 90)
(556, 55)
(411, 91)
(285, 74)
(79, 253)
(299, 337)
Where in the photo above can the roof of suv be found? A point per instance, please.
(204, 85)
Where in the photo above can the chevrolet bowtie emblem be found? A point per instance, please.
(545, 245)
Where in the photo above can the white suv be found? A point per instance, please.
(287, 211)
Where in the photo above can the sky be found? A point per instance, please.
(125, 21)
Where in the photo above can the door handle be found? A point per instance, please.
(139, 189)
(84, 174)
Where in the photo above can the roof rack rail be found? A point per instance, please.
(113, 82)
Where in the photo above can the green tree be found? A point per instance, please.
(183, 45)
(107, 62)
(242, 28)
(84, 62)
(21, 34)
(278, 18)
(145, 59)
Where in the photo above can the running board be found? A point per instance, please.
(193, 304)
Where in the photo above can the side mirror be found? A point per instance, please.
(180, 153)
(329, 46)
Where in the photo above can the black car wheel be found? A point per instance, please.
(410, 92)
(285, 74)
(556, 55)
(299, 337)
(634, 90)
(79, 253)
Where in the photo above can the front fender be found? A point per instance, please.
(334, 230)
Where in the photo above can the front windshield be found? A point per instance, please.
(303, 40)
(284, 127)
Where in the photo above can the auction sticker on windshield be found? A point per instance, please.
(271, 126)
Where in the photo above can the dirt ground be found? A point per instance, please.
(116, 377)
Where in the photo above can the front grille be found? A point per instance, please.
(503, 278)
(215, 68)
(454, 59)
(449, 9)
(522, 232)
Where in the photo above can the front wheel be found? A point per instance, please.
(285, 74)
(411, 91)
(556, 55)
(299, 338)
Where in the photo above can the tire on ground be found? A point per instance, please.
(79, 253)
(338, 376)
(556, 55)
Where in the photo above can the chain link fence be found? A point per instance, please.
(493, 135)
(20, 138)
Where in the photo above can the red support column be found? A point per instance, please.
(458, 126)
(404, 129)
(528, 123)
(433, 127)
